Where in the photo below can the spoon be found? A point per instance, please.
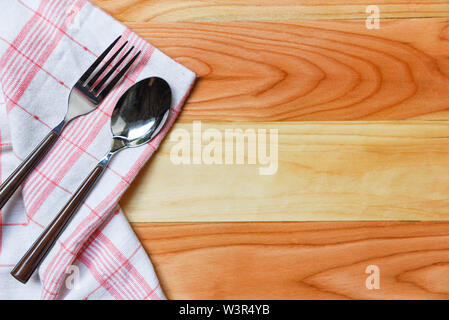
(137, 118)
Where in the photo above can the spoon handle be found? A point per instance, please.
(19, 175)
(31, 260)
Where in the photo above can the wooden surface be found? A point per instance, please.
(266, 10)
(307, 260)
(313, 61)
(311, 70)
(326, 171)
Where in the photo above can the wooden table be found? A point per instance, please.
(304, 68)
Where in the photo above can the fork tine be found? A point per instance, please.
(94, 66)
(111, 72)
(100, 72)
(117, 78)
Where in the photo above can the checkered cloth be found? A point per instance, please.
(45, 46)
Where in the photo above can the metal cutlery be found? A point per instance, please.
(138, 117)
(85, 96)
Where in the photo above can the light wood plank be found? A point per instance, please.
(326, 171)
(299, 260)
(262, 10)
(316, 70)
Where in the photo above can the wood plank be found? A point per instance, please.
(311, 70)
(262, 10)
(299, 260)
(326, 171)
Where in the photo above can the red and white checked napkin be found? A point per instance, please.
(45, 46)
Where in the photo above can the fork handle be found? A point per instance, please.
(19, 175)
(31, 260)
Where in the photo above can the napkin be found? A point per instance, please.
(45, 46)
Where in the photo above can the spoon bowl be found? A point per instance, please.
(141, 112)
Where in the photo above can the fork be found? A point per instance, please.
(87, 93)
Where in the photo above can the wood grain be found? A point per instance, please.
(311, 70)
(326, 171)
(299, 260)
(262, 10)
(315, 70)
